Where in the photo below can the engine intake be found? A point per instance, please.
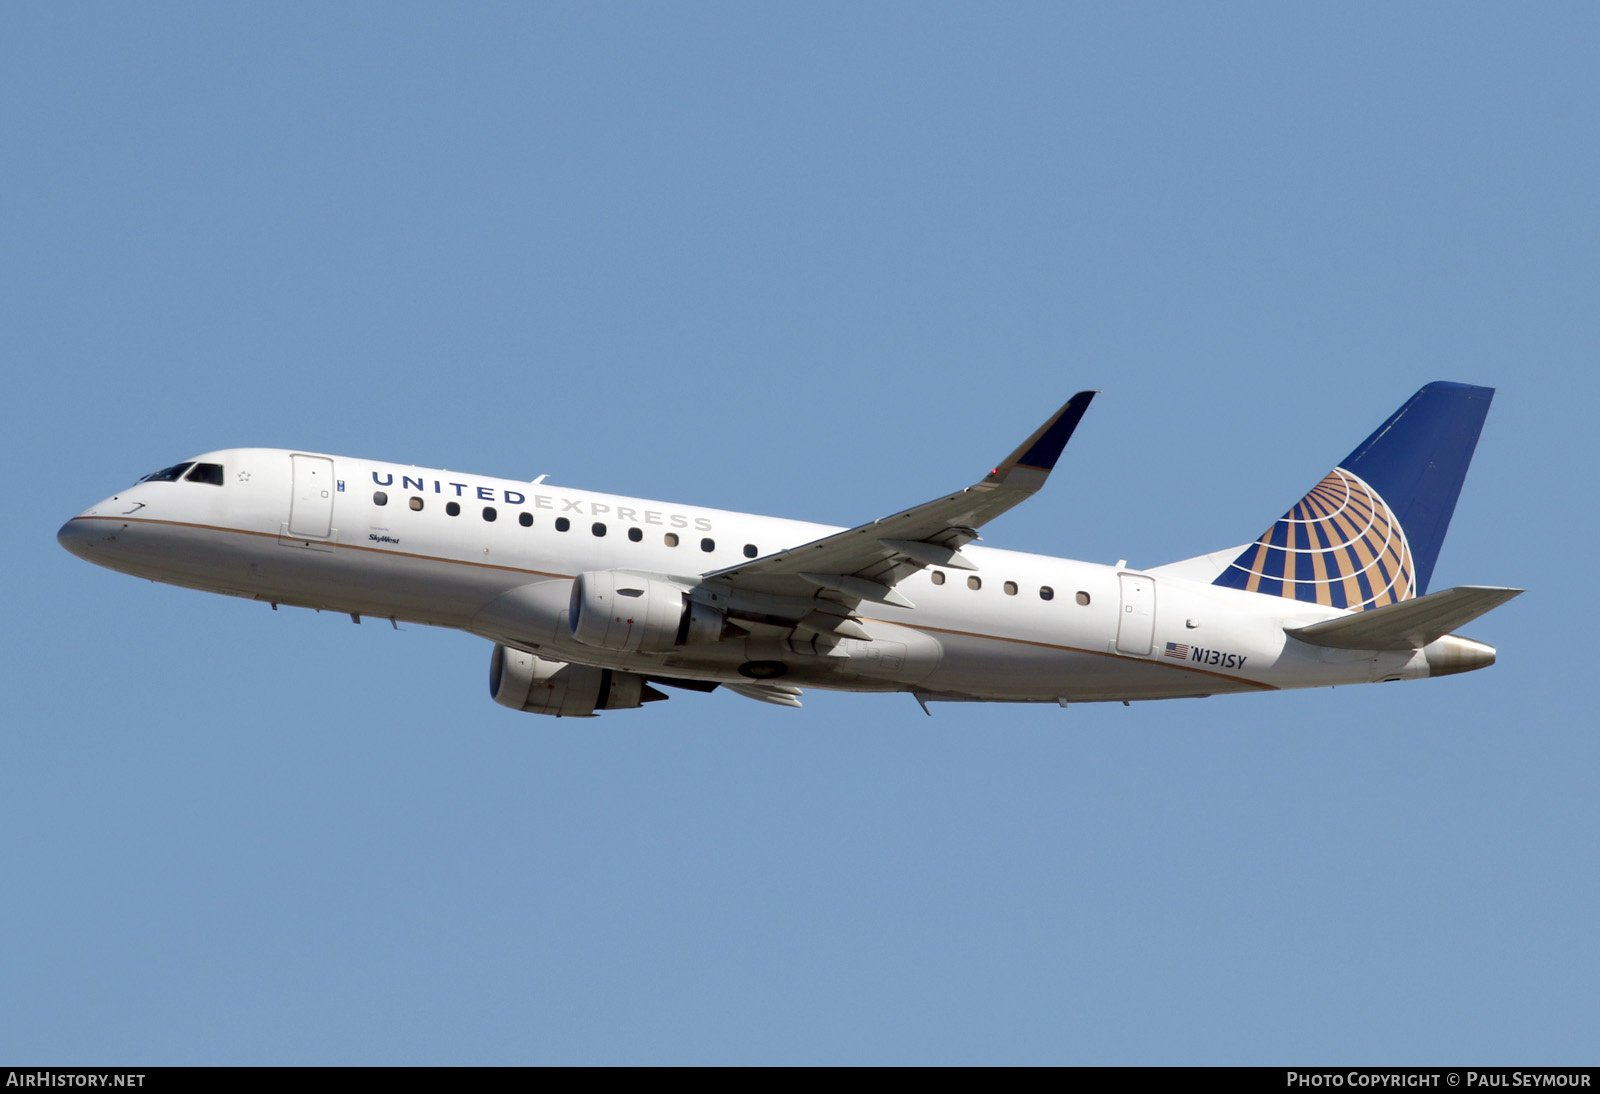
(538, 685)
(617, 610)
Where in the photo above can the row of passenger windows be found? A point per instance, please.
(1010, 587)
(636, 534)
(598, 528)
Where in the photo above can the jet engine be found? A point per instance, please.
(537, 685)
(617, 610)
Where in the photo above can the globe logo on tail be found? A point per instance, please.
(1340, 546)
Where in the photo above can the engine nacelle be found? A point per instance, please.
(622, 611)
(538, 685)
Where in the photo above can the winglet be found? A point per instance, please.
(1036, 456)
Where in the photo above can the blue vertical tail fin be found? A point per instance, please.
(1369, 533)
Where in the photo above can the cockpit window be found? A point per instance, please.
(168, 474)
(205, 472)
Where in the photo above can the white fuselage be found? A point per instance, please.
(307, 529)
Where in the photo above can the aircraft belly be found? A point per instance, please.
(534, 618)
(248, 563)
(530, 617)
(992, 668)
(383, 585)
(895, 659)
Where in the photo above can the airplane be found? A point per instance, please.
(596, 602)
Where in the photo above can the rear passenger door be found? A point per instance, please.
(1137, 624)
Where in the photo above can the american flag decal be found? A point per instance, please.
(1177, 650)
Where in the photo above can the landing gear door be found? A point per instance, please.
(311, 505)
(1136, 627)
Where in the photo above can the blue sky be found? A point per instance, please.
(820, 261)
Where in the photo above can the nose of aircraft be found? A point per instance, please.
(77, 535)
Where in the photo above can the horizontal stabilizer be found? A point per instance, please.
(1407, 625)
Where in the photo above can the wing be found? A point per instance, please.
(865, 563)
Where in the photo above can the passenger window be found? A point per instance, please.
(670, 539)
(416, 503)
(708, 545)
(937, 577)
(489, 512)
(1011, 588)
(453, 508)
(210, 473)
(525, 519)
(750, 550)
(1046, 593)
(380, 498)
(562, 524)
(974, 582)
(597, 528)
(1083, 598)
(636, 534)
